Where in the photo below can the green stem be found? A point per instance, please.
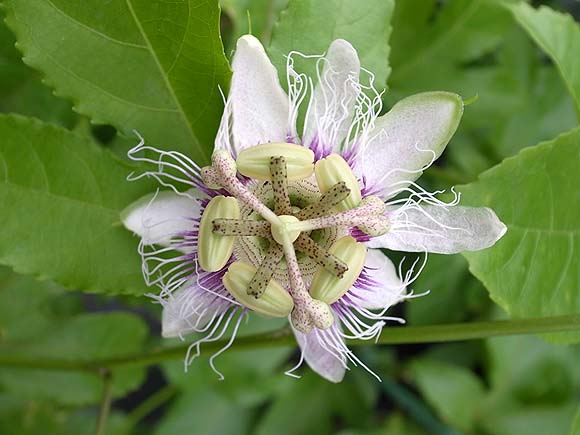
(105, 407)
(414, 407)
(150, 404)
(284, 337)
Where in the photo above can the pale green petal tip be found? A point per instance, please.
(448, 103)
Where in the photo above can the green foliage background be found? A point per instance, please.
(84, 74)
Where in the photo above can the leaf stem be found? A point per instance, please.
(105, 407)
(283, 337)
(415, 408)
(150, 404)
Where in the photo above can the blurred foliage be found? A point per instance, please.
(521, 62)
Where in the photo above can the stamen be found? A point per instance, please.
(333, 169)
(329, 288)
(225, 166)
(254, 162)
(241, 227)
(275, 300)
(215, 250)
(325, 204)
(330, 262)
(266, 270)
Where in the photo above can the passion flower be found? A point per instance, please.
(286, 224)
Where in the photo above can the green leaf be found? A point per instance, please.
(309, 26)
(262, 17)
(534, 104)
(152, 66)
(315, 403)
(26, 306)
(576, 424)
(310, 399)
(65, 195)
(207, 412)
(533, 270)
(424, 31)
(251, 376)
(522, 101)
(21, 89)
(33, 418)
(533, 420)
(453, 292)
(453, 391)
(559, 36)
(556, 366)
(80, 338)
(396, 424)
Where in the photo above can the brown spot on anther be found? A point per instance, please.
(241, 227)
(264, 273)
(327, 201)
(325, 259)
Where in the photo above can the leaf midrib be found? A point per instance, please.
(48, 193)
(163, 73)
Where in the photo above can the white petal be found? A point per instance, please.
(389, 289)
(158, 217)
(331, 108)
(259, 106)
(318, 358)
(188, 309)
(409, 138)
(441, 230)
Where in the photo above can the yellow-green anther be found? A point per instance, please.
(241, 227)
(334, 169)
(283, 228)
(330, 262)
(254, 162)
(274, 302)
(266, 270)
(326, 286)
(214, 250)
(326, 203)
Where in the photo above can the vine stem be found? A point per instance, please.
(284, 337)
(105, 408)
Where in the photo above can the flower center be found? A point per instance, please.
(283, 230)
(289, 233)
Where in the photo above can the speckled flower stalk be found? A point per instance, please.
(288, 224)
